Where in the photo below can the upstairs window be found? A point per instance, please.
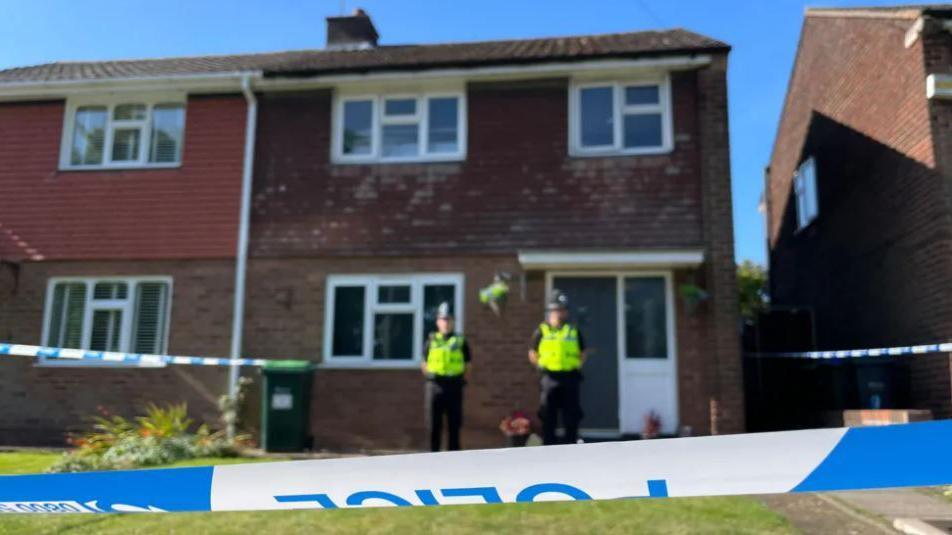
(127, 133)
(617, 118)
(108, 314)
(804, 186)
(384, 321)
(394, 128)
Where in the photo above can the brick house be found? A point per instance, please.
(857, 191)
(386, 179)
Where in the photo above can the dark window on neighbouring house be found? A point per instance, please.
(804, 186)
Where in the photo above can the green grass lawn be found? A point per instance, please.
(694, 515)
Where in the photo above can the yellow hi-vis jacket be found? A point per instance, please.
(445, 357)
(559, 349)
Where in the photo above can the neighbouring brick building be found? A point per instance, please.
(386, 179)
(860, 182)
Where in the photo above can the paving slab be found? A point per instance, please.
(898, 503)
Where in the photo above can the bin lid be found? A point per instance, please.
(287, 366)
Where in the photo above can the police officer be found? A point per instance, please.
(558, 351)
(446, 358)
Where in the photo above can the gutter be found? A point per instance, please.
(241, 254)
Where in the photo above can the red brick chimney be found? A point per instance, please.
(353, 32)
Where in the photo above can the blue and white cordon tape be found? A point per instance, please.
(816, 460)
(859, 353)
(142, 360)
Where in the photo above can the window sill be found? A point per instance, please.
(70, 169)
(338, 160)
(578, 153)
(338, 364)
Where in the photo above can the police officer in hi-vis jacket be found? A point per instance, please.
(558, 351)
(446, 358)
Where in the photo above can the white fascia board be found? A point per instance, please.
(939, 86)
(192, 83)
(535, 260)
(510, 72)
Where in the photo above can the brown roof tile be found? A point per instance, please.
(391, 57)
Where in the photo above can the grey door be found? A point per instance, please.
(593, 307)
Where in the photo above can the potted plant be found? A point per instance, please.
(652, 425)
(516, 428)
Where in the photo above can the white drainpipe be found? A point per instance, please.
(241, 255)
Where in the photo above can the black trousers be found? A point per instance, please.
(444, 397)
(560, 399)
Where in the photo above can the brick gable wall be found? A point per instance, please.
(875, 265)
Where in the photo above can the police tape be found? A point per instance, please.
(816, 460)
(859, 353)
(133, 359)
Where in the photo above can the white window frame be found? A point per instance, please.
(421, 118)
(416, 281)
(805, 191)
(145, 140)
(127, 306)
(617, 148)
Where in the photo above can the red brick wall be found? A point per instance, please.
(517, 188)
(875, 265)
(41, 404)
(187, 212)
(384, 408)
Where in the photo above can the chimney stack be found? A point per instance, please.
(352, 32)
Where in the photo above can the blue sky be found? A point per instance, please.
(763, 33)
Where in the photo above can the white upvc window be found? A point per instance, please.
(804, 187)
(118, 314)
(620, 118)
(399, 127)
(123, 132)
(384, 320)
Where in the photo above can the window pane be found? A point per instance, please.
(66, 315)
(443, 125)
(401, 140)
(597, 112)
(110, 290)
(643, 130)
(348, 336)
(129, 112)
(358, 121)
(168, 124)
(89, 127)
(393, 336)
(393, 294)
(404, 106)
(107, 325)
(125, 144)
(433, 295)
(641, 95)
(148, 334)
(646, 323)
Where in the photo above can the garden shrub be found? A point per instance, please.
(161, 436)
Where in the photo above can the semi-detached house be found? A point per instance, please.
(379, 181)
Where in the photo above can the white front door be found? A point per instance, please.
(647, 356)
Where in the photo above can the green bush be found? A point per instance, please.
(161, 436)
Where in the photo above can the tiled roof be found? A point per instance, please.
(389, 57)
(897, 11)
